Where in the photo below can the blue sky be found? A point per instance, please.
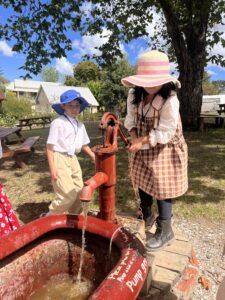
(11, 61)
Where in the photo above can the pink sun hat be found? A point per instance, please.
(153, 70)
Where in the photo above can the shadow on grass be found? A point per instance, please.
(28, 212)
(206, 169)
(206, 159)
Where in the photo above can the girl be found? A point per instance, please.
(159, 163)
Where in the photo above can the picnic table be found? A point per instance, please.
(42, 120)
(6, 131)
(218, 119)
(12, 136)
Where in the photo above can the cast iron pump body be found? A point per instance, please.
(105, 163)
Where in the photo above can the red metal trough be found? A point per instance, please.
(52, 245)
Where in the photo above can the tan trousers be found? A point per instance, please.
(68, 185)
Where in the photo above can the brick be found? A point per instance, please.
(184, 287)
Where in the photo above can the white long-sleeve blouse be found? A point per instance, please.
(168, 118)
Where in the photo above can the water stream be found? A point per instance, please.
(85, 211)
(111, 240)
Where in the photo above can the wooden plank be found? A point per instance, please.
(171, 261)
(179, 236)
(163, 279)
(212, 117)
(26, 146)
(180, 247)
(5, 131)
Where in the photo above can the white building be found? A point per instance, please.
(49, 94)
(27, 88)
(211, 103)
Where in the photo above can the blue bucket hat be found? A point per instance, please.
(67, 97)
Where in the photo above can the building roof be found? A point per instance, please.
(219, 97)
(32, 86)
(53, 93)
(211, 102)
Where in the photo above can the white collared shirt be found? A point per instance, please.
(67, 135)
(169, 118)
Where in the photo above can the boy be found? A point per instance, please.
(67, 137)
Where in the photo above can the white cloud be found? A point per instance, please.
(88, 43)
(210, 72)
(6, 49)
(218, 48)
(63, 66)
(156, 23)
(86, 8)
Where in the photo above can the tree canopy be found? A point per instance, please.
(210, 87)
(188, 28)
(50, 74)
(84, 72)
(113, 95)
(104, 83)
(221, 85)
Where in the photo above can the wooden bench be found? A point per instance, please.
(218, 119)
(25, 147)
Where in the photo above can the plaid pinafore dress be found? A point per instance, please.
(160, 171)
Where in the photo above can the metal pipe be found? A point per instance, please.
(92, 184)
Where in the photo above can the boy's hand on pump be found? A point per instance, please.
(93, 157)
(89, 152)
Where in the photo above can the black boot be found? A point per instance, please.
(147, 215)
(163, 236)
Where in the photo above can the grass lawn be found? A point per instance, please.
(30, 189)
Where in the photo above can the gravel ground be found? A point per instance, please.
(208, 239)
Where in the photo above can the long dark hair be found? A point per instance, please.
(140, 93)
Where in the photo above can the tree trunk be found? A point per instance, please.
(190, 95)
(189, 43)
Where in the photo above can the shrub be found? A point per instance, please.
(13, 108)
(6, 120)
(88, 116)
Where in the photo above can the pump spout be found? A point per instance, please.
(92, 184)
